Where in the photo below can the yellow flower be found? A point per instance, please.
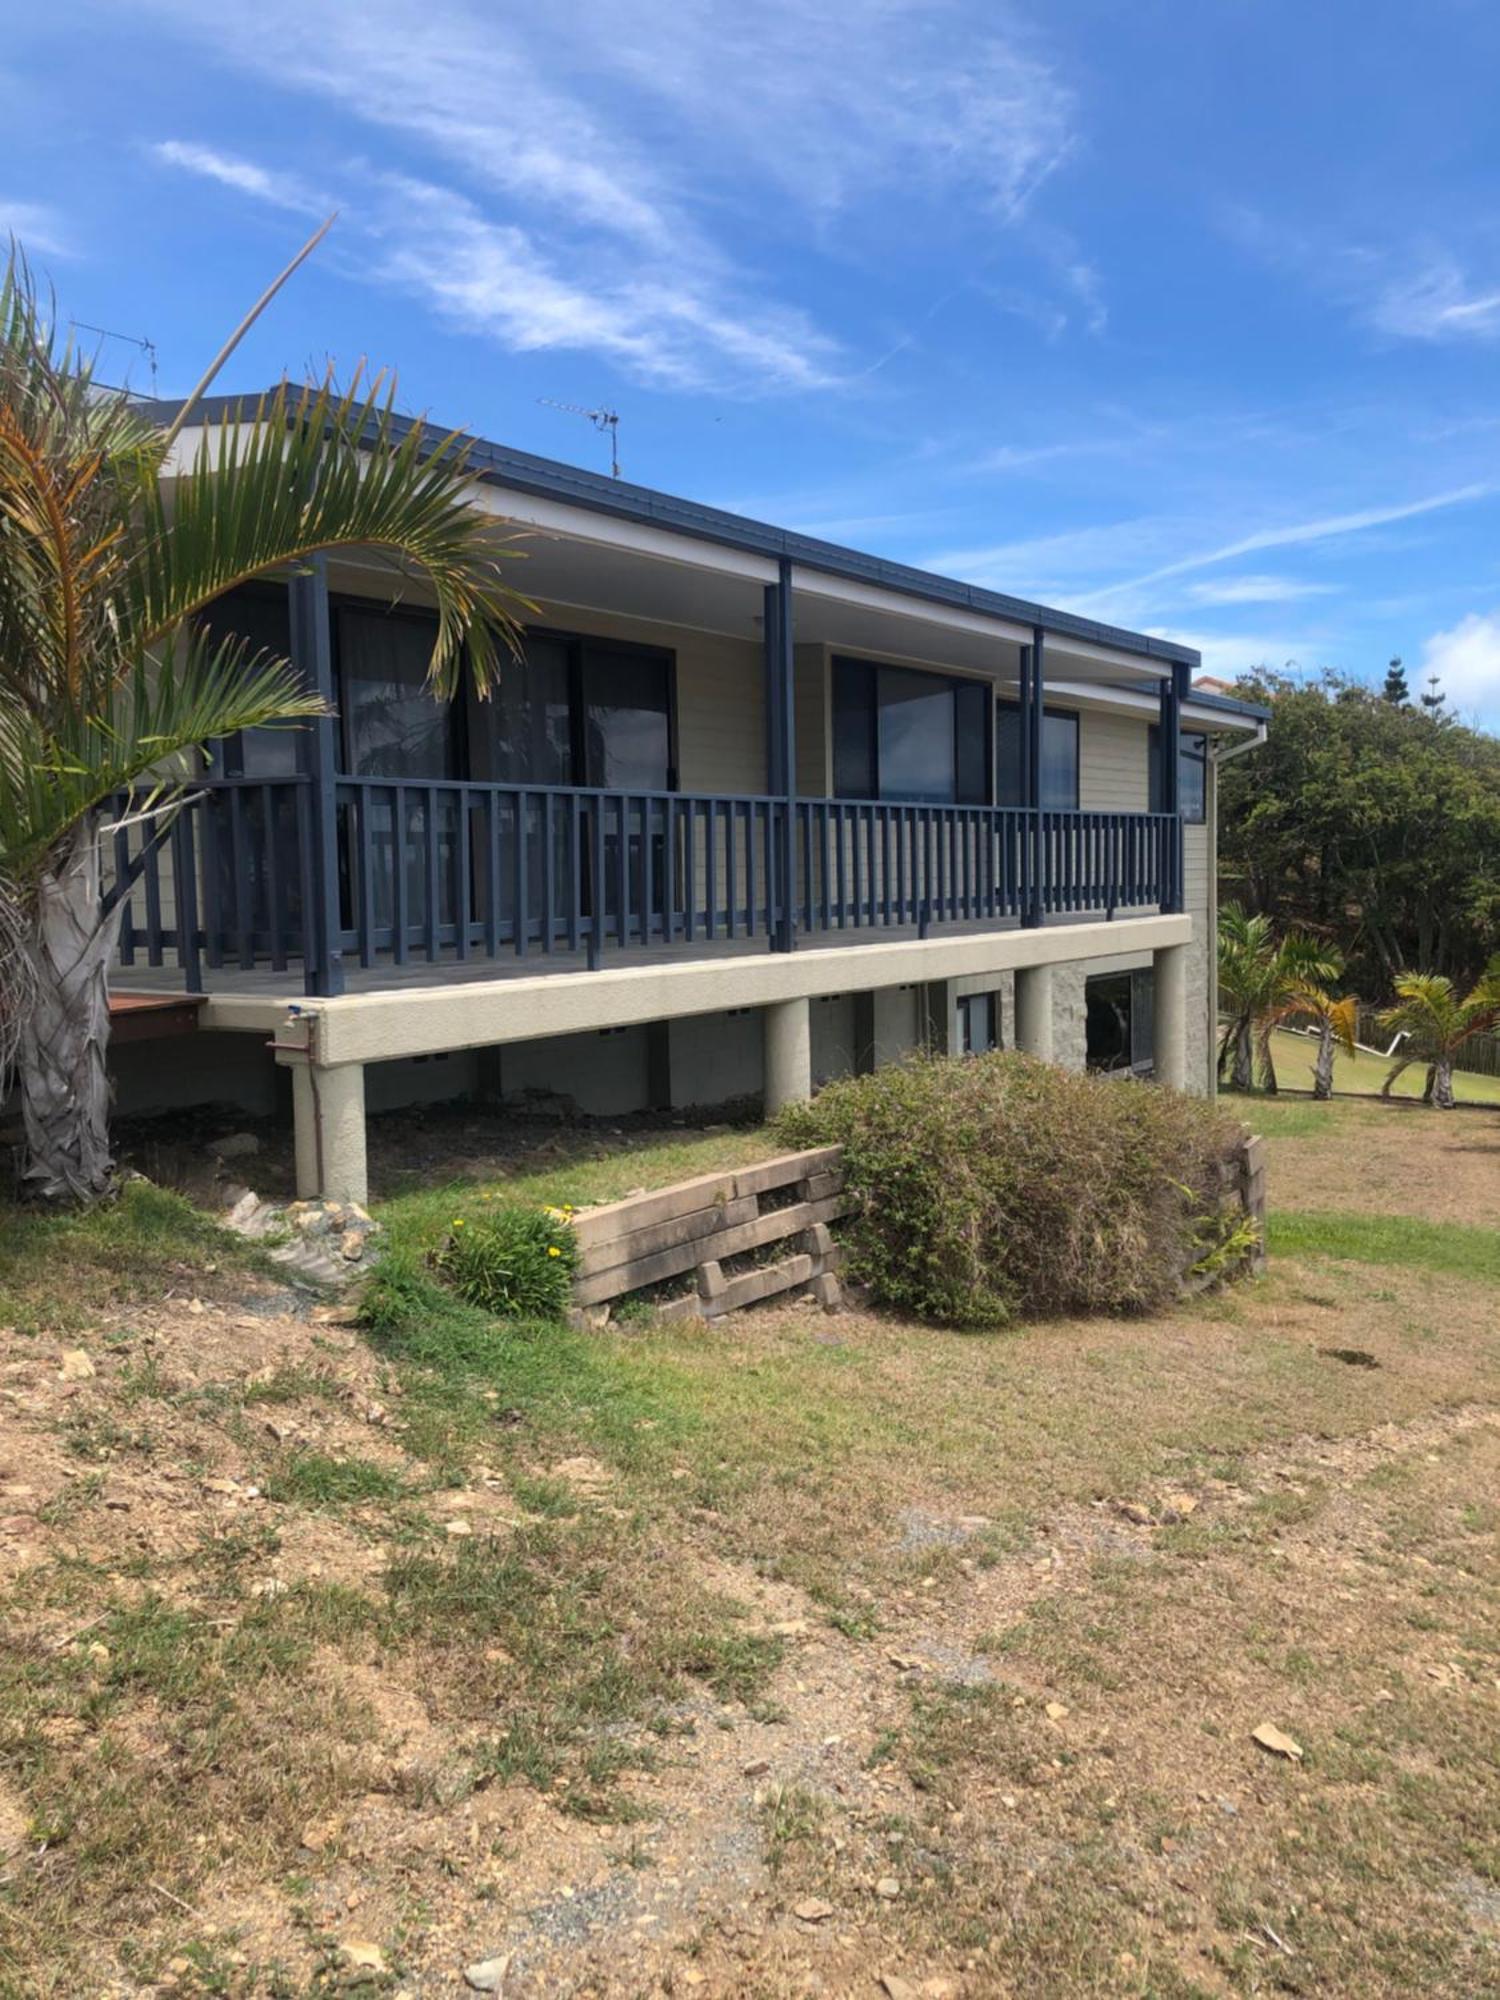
(458, 1222)
(553, 1251)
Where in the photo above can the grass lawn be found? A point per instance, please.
(775, 1659)
(1363, 1074)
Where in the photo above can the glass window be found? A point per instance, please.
(900, 733)
(976, 1023)
(972, 741)
(627, 698)
(916, 736)
(1192, 775)
(1118, 1021)
(259, 614)
(854, 730)
(1059, 758)
(533, 726)
(393, 728)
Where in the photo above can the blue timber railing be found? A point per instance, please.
(451, 870)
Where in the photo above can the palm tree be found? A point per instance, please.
(1437, 1023)
(1336, 1021)
(1247, 949)
(1263, 984)
(103, 580)
(1305, 968)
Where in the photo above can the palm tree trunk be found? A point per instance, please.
(1323, 1068)
(1442, 1084)
(1267, 1065)
(60, 1061)
(1244, 1078)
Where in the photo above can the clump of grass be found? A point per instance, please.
(59, 1269)
(997, 1185)
(512, 1260)
(317, 1479)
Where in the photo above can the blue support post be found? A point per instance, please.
(1173, 689)
(781, 749)
(1033, 671)
(312, 654)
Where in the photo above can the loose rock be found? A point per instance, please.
(1269, 1737)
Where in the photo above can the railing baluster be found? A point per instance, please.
(275, 923)
(549, 871)
(575, 870)
(461, 872)
(491, 874)
(430, 850)
(669, 871)
(400, 915)
(153, 898)
(185, 895)
(521, 880)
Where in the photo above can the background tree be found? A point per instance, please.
(102, 581)
(1335, 1019)
(1434, 700)
(1395, 689)
(1373, 825)
(1437, 1023)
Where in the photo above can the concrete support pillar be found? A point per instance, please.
(328, 1112)
(1170, 1007)
(1034, 1005)
(788, 1031)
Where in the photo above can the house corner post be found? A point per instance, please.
(1173, 692)
(781, 748)
(312, 654)
(1033, 708)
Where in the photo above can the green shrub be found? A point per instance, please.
(512, 1260)
(996, 1186)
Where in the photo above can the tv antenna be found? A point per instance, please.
(140, 341)
(606, 422)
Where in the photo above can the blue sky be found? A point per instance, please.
(1188, 317)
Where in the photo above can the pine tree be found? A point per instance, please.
(1395, 691)
(1435, 701)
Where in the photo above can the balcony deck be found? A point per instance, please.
(413, 884)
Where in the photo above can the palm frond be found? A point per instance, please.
(312, 470)
(144, 744)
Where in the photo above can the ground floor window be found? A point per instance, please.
(1119, 1020)
(978, 1023)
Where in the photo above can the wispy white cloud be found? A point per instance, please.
(1257, 590)
(230, 170)
(36, 226)
(1466, 659)
(493, 279)
(613, 149)
(1297, 534)
(1404, 289)
(1437, 301)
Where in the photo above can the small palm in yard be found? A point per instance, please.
(1264, 985)
(1437, 1023)
(1302, 970)
(102, 582)
(1247, 948)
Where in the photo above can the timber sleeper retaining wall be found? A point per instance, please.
(701, 1226)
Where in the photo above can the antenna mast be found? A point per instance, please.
(606, 422)
(145, 344)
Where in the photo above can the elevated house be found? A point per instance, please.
(752, 811)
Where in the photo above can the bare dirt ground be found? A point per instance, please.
(915, 1663)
